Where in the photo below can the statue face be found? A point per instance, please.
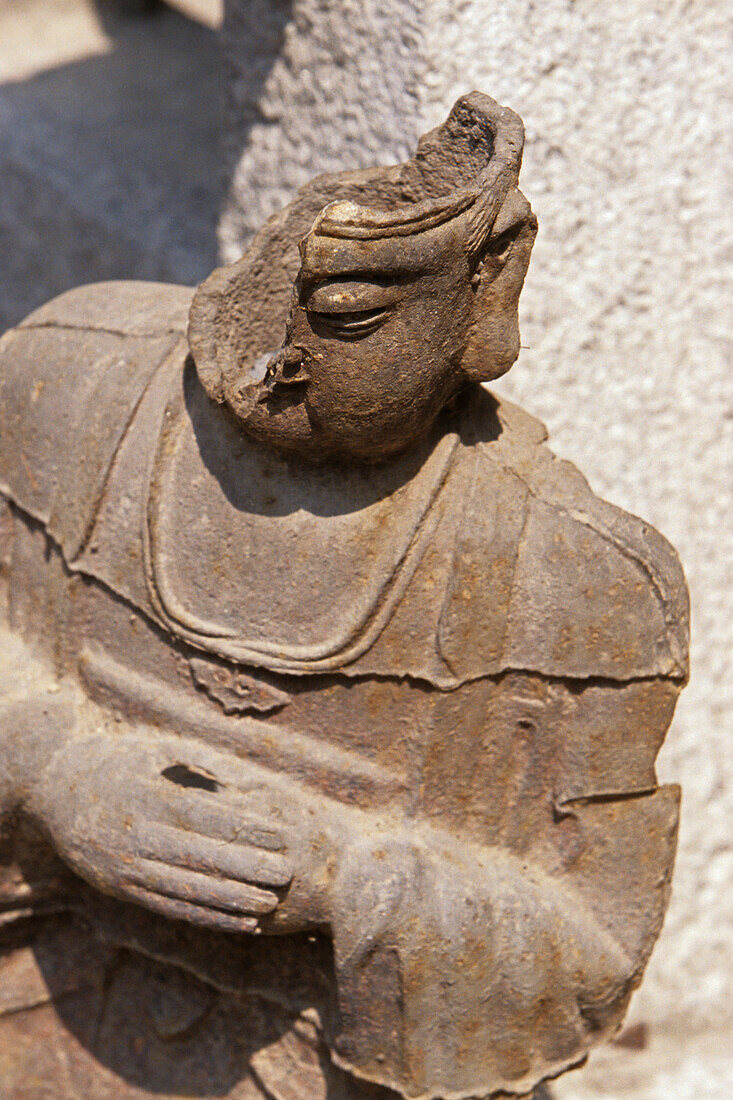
(383, 331)
(407, 292)
(382, 356)
(372, 349)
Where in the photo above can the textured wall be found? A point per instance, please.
(314, 86)
(627, 163)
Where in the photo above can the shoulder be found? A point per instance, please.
(71, 375)
(589, 590)
(125, 308)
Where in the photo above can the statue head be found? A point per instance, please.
(406, 292)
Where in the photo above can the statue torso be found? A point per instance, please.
(325, 621)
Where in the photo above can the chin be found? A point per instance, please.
(278, 421)
(278, 418)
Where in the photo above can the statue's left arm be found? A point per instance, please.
(492, 965)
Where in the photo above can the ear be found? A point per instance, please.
(498, 277)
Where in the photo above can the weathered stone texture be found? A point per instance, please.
(345, 656)
(627, 164)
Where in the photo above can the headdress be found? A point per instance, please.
(467, 164)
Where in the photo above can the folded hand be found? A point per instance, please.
(170, 824)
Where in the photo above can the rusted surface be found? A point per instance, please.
(331, 697)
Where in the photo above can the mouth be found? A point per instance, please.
(285, 377)
(278, 398)
(276, 381)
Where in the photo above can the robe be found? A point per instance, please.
(478, 566)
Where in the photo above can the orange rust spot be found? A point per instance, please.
(29, 472)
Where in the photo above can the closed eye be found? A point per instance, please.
(350, 308)
(355, 323)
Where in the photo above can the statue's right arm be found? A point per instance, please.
(140, 816)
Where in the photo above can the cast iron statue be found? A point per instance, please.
(331, 698)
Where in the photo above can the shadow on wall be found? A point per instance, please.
(109, 164)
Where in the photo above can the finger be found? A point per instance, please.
(219, 816)
(250, 830)
(241, 862)
(198, 889)
(175, 909)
